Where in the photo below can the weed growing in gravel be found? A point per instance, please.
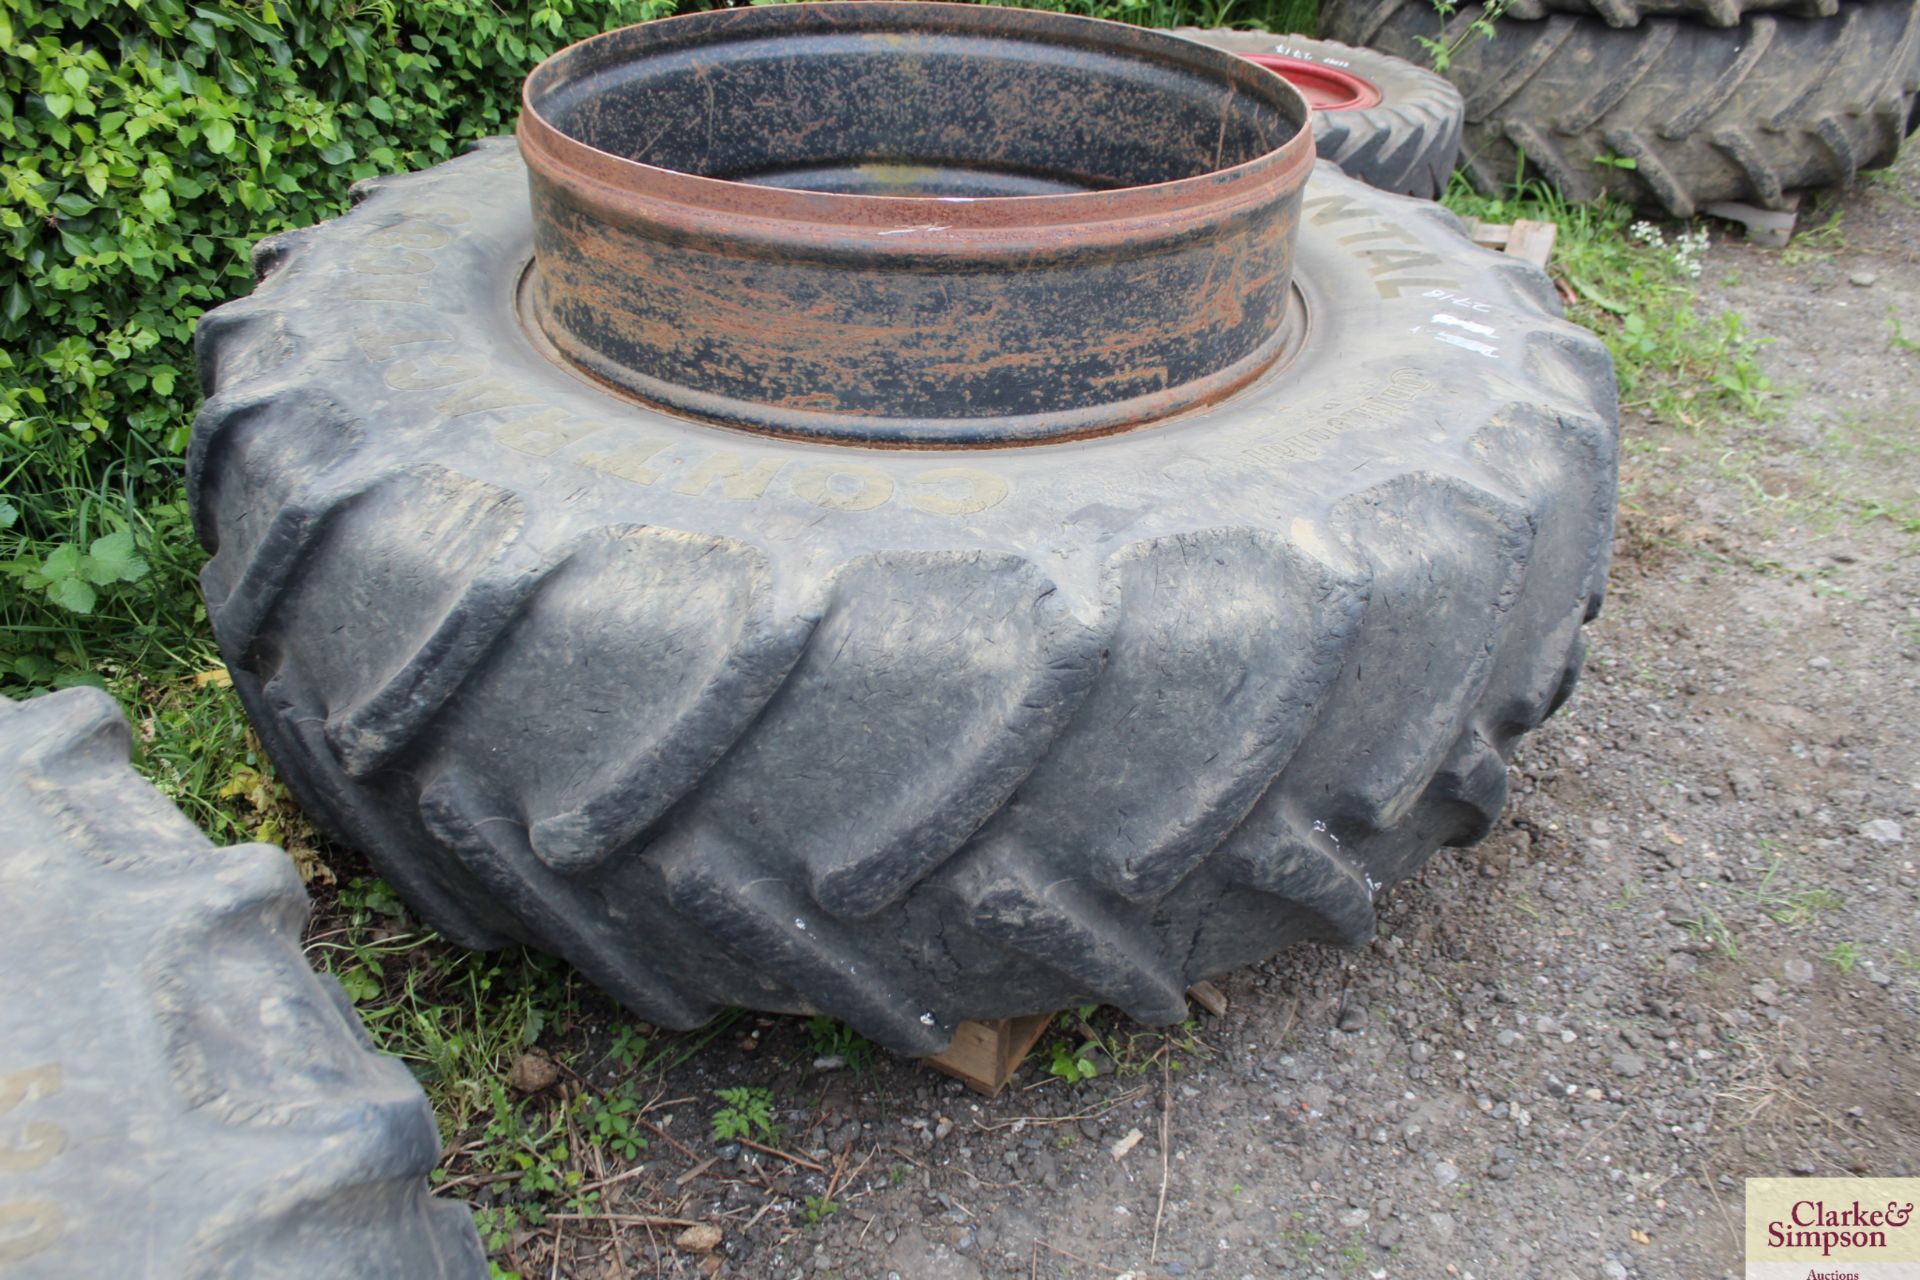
(831, 1038)
(746, 1112)
(1816, 242)
(1844, 956)
(1897, 339)
(1071, 1063)
(1711, 929)
(1796, 907)
(1635, 286)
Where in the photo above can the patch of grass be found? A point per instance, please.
(1844, 956)
(1793, 907)
(1897, 339)
(1636, 287)
(1711, 929)
(1817, 241)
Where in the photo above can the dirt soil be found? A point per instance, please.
(1689, 953)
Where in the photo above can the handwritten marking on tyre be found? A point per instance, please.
(1467, 344)
(1460, 322)
(1456, 300)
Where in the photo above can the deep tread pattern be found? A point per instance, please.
(1408, 142)
(902, 772)
(1062, 924)
(1714, 13)
(160, 1017)
(771, 924)
(1776, 104)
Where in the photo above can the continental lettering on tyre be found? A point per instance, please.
(547, 432)
(738, 479)
(396, 267)
(1394, 271)
(957, 491)
(627, 461)
(1303, 434)
(382, 346)
(28, 1225)
(431, 373)
(843, 486)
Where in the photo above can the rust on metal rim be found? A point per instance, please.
(912, 223)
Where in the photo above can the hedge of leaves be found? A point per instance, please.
(144, 146)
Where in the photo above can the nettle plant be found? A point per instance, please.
(145, 145)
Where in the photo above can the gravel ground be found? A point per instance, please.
(1689, 953)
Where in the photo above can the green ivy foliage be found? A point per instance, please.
(145, 145)
(149, 143)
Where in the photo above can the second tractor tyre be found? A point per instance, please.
(1670, 114)
(902, 736)
(1406, 141)
(181, 1098)
(1628, 13)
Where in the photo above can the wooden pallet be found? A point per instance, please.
(984, 1055)
(1771, 227)
(1523, 238)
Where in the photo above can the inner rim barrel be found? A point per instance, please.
(909, 223)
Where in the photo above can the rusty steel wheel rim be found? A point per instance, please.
(1325, 88)
(911, 224)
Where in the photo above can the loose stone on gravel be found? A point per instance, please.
(1628, 1064)
(1796, 970)
(1883, 831)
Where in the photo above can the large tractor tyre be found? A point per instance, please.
(1383, 120)
(180, 1096)
(1670, 115)
(906, 736)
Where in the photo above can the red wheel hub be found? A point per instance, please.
(1325, 88)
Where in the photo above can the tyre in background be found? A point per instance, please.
(1382, 119)
(1670, 114)
(180, 1095)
